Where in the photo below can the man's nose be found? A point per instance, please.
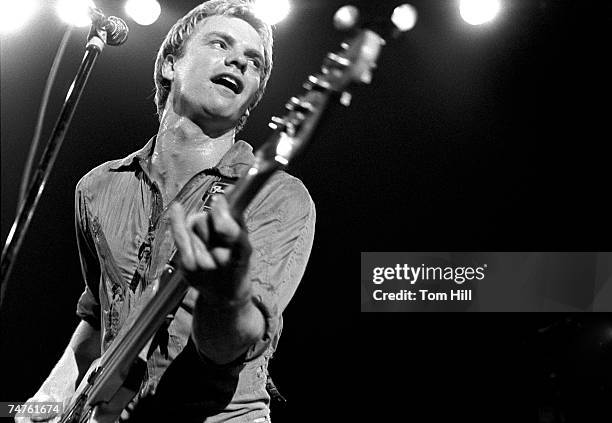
(237, 59)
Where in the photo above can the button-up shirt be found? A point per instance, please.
(124, 239)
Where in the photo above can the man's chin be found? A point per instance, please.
(216, 125)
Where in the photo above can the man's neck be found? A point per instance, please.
(183, 149)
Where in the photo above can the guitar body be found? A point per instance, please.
(107, 413)
(85, 410)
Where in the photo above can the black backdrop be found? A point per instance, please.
(485, 138)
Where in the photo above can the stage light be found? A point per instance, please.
(404, 17)
(144, 12)
(75, 12)
(477, 12)
(272, 11)
(14, 14)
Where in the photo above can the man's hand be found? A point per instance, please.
(214, 252)
(60, 385)
(50, 417)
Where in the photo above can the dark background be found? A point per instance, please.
(484, 138)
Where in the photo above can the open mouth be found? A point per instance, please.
(229, 81)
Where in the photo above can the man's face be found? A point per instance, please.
(214, 82)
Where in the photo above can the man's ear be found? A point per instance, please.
(168, 67)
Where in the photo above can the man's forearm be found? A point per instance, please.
(85, 343)
(61, 382)
(223, 332)
(83, 349)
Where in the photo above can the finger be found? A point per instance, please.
(49, 417)
(181, 236)
(238, 255)
(202, 256)
(221, 255)
(241, 253)
(227, 230)
(198, 223)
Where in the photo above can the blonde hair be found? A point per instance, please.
(174, 44)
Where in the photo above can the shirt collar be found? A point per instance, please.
(234, 163)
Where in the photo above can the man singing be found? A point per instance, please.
(210, 361)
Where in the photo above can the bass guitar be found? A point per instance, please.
(106, 389)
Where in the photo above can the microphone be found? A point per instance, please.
(116, 31)
(116, 28)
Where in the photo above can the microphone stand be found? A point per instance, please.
(96, 40)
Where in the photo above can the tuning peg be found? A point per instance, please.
(298, 105)
(277, 123)
(283, 125)
(336, 61)
(346, 18)
(316, 83)
(366, 77)
(345, 98)
(404, 17)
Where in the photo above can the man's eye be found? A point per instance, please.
(219, 43)
(256, 63)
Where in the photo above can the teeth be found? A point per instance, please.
(231, 81)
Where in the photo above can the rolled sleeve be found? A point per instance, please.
(272, 322)
(280, 223)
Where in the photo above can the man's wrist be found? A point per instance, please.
(222, 303)
(235, 295)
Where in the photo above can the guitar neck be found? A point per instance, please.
(279, 150)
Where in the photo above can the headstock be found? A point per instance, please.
(352, 64)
